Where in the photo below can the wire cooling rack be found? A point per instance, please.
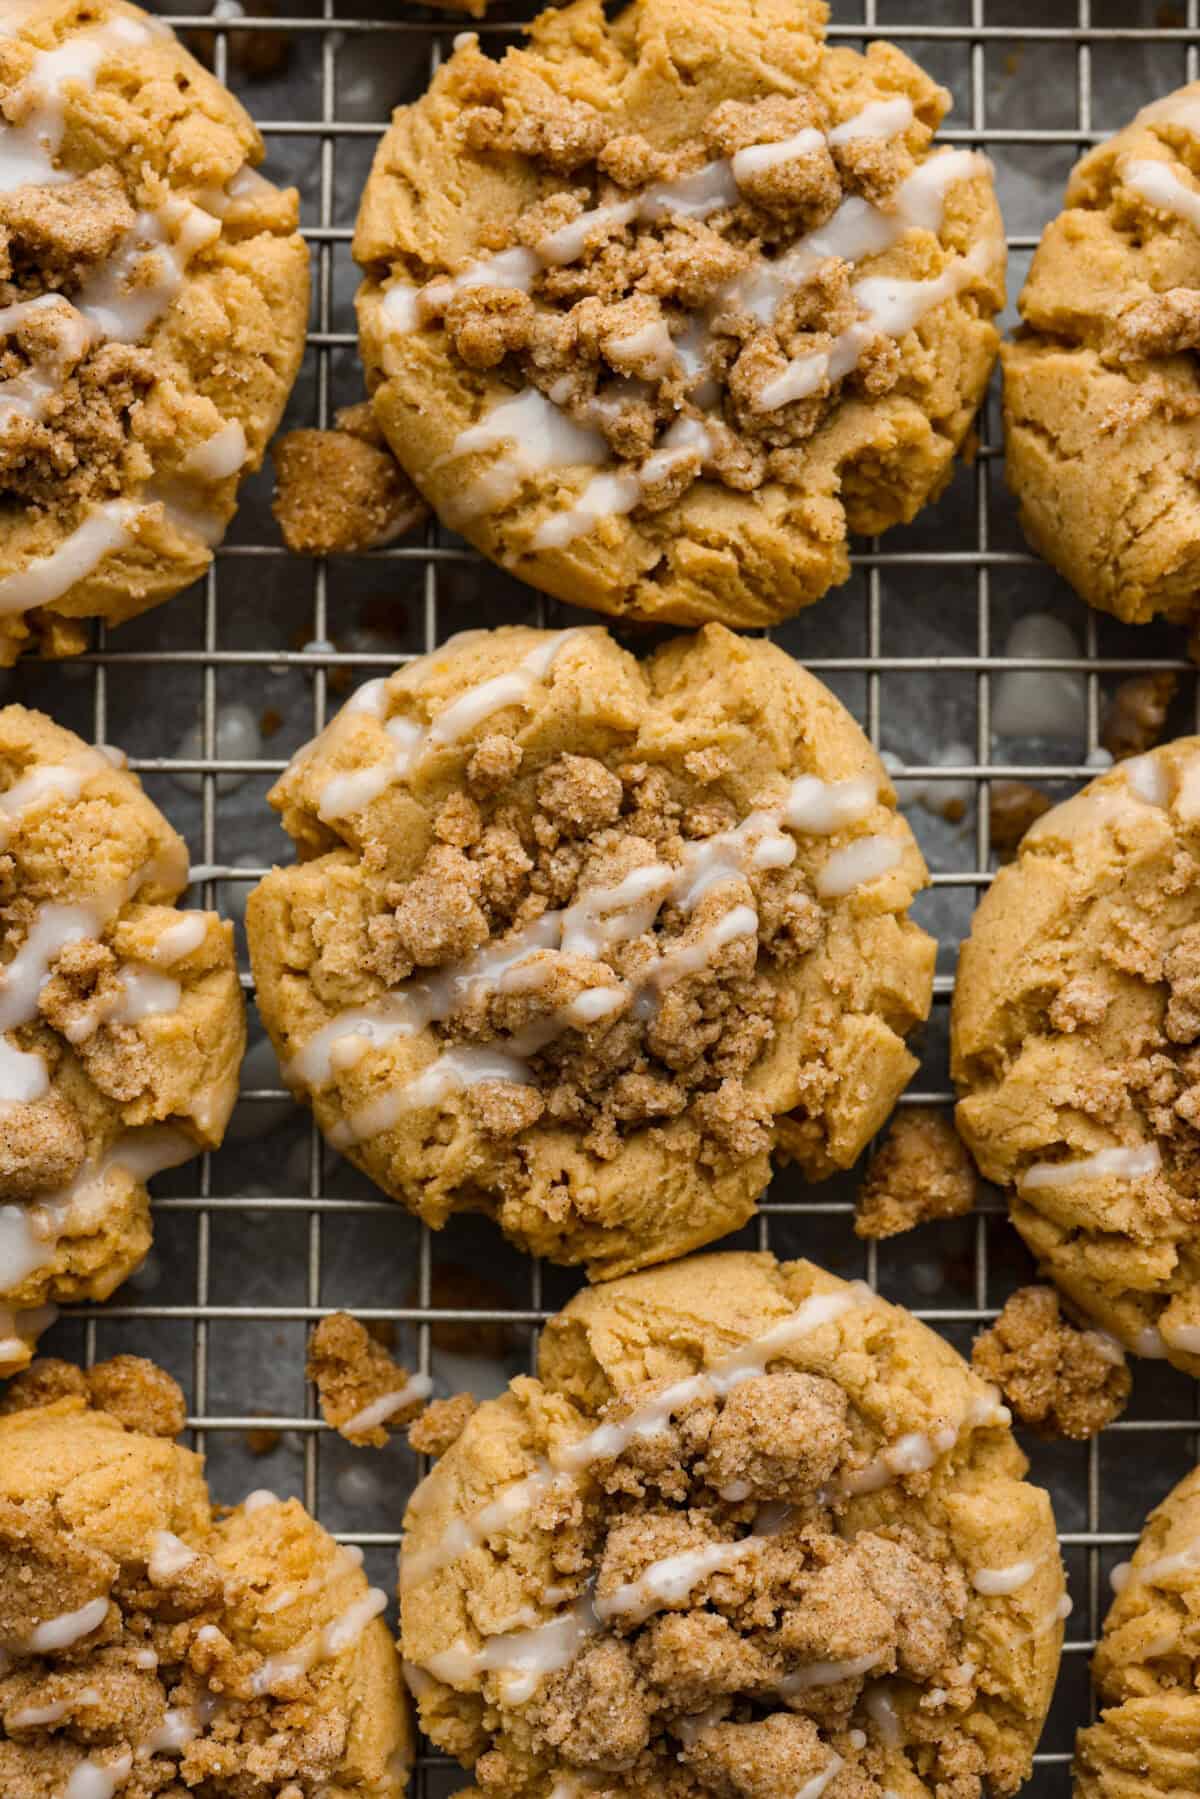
(211, 694)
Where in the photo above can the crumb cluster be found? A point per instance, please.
(83, 447)
(493, 867)
(1013, 806)
(608, 336)
(1062, 1381)
(921, 1171)
(160, 1688)
(1137, 713)
(692, 1686)
(350, 1371)
(340, 491)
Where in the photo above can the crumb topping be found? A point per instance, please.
(341, 491)
(724, 1631)
(1012, 807)
(921, 1171)
(1060, 1380)
(493, 869)
(441, 1424)
(360, 1387)
(1137, 713)
(128, 1672)
(692, 312)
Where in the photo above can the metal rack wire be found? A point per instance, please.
(971, 548)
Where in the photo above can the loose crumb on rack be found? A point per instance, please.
(338, 492)
(1058, 1379)
(140, 1395)
(921, 1171)
(1137, 713)
(440, 1424)
(1013, 807)
(262, 1440)
(351, 1371)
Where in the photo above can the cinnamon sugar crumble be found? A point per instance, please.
(351, 1370)
(341, 491)
(440, 1424)
(1013, 806)
(921, 1171)
(610, 335)
(1062, 1381)
(491, 869)
(693, 1667)
(1137, 713)
(155, 1688)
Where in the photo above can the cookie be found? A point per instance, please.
(151, 1646)
(577, 940)
(1075, 1031)
(153, 299)
(1101, 391)
(752, 1532)
(1144, 1744)
(122, 1023)
(657, 309)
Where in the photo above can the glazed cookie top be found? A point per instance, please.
(1075, 1028)
(753, 1533)
(121, 1020)
(658, 305)
(1145, 1663)
(572, 934)
(1101, 390)
(148, 1645)
(153, 294)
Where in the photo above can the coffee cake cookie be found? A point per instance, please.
(150, 1646)
(1076, 1048)
(752, 1533)
(121, 1021)
(153, 297)
(656, 310)
(1101, 389)
(577, 940)
(1144, 1745)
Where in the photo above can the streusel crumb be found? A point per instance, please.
(921, 1171)
(440, 1424)
(1060, 1380)
(1012, 808)
(351, 1370)
(128, 1387)
(337, 492)
(1137, 713)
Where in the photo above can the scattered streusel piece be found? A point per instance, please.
(361, 1389)
(920, 1171)
(128, 1387)
(1136, 714)
(1013, 807)
(1060, 1380)
(340, 491)
(440, 1424)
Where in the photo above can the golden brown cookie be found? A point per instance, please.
(1075, 1030)
(122, 1023)
(1101, 390)
(150, 1645)
(753, 1533)
(658, 308)
(578, 940)
(153, 298)
(1144, 1745)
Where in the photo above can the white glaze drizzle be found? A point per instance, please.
(169, 1556)
(1148, 779)
(1001, 1583)
(812, 1789)
(828, 1674)
(1159, 183)
(418, 1386)
(177, 940)
(325, 1644)
(65, 1630)
(857, 864)
(671, 1580)
(98, 1780)
(351, 792)
(1184, 1337)
(1134, 1163)
(105, 528)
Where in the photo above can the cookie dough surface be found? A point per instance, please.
(1144, 1744)
(150, 1645)
(153, 298)
(753, 1532)
(1075, 1033)
(122, 1023)
(659, 307)
(1101, 391)
(578, 940)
